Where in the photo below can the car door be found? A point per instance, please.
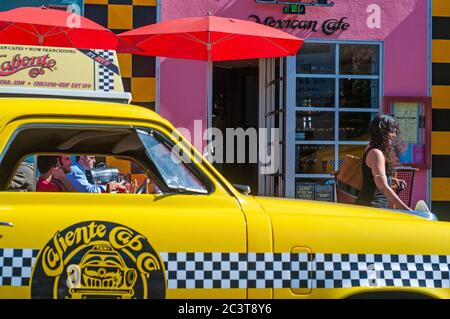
(78, 245)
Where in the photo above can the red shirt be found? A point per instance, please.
(43, 185)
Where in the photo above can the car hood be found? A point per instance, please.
(338, 228)
(304, 207)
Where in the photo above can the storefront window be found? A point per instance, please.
(358, 93)
(354, 126)
(315, 92)
(317, 59)
(315, 126)
(315, 159)
(359, 59)
(337, 96)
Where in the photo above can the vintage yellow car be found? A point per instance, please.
(198, 237)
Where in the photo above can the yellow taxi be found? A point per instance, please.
(196, 236)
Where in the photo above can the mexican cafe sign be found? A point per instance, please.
(294, 17)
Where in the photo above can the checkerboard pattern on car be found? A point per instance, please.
(380, 270)
(236, 270)
(201, 270)
(16, 266)
(285, 270)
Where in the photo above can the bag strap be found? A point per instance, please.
(367, 152)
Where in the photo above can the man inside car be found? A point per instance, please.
(65, 163)
(80, 181)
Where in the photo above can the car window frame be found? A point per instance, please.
(193, 166)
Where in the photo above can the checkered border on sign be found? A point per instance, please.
(16, 266)
(285, 270)
(105, 75)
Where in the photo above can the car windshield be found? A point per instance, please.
(176, 175)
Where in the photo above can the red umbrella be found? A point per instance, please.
(50, 27)
(212, 38)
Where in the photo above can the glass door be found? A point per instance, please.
(272, 118)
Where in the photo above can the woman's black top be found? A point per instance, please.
(370, 195)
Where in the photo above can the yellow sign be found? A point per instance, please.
(59, 68)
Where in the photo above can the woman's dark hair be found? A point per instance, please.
(380, 128)
(46, 163)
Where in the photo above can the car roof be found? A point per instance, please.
(11, 108)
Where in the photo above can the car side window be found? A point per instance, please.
(173, 170)
(81, 158)
(85, 173)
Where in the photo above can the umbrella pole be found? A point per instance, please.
(209, 95)
(209, 87)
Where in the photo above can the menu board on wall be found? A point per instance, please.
(407, 115)
(414, 117)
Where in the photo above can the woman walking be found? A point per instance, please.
(378, 163)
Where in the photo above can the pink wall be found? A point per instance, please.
(183, 92)
(405, 69)
(403, 32)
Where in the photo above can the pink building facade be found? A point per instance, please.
(356, 53)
